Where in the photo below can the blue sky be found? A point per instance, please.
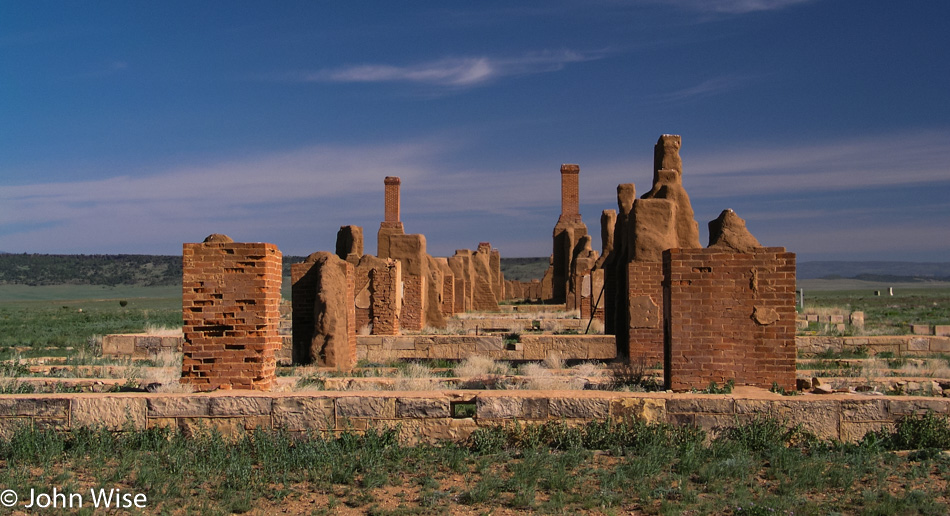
(133, 127)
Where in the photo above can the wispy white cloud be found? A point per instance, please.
(736, 6)
(707, 88)
(456, 71)
(841, 164)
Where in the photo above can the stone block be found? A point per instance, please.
(303, 413)
(122, 345)
(918, 344)
(536, 408)
(423, 408)
(920, 329)
(906, 406)
(179, 406)
(498, 407)
(585, 408)
(708, 405)
(240, 406)
(36, 407)
(604, 348)
(854, 431)
(113, 413)
(754, 407)
(486, 344)
(818, 417)
(863, 410)
(433, 430)
(837, 319)
(811, 317)
(641, 409)
(365, 407)
(942, 330)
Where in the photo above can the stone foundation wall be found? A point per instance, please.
(455, 347)
(432, 416)
(231, 314)
(139, 345)
(899, 345)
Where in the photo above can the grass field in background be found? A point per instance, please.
(74, 315)
(911, 303)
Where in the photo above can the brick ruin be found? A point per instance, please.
(231, 312)
(721, 313)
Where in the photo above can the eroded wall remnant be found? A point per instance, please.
(324, 306)
(231, 314)
(567, 233)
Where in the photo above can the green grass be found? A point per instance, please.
(58, 323)
(888, 314)
(760, 467)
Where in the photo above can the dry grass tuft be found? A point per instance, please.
(480, 367)
(416, 377)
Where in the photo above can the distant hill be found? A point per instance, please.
(875, 271)
(95, 269)
(164, 270)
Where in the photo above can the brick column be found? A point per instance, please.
(570, 196)
(391, 199)
(231, 311)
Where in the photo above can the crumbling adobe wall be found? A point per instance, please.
(463, 270)
(483, 296)
(411, 251)
(729, 316)
(448, 287)
(231, 312)
(570, 228)
(349, 243)
(377, 283)
(324, 286)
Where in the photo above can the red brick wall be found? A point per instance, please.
(386, 300)
(413, 302)
(231, 310)
(729, 316)
(645, 312)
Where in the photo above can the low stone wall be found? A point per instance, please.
(382, 349)
(509, 324)
(428, 416)
(899, 345)
(139, 345)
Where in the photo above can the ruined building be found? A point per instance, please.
(714, 314)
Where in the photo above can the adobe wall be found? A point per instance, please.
(729, 316)
(231, 314)
(324, 311)
(411, 251)
(567, 232)
(433, 416)
(378, 297)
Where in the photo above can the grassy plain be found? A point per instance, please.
(912, 303)
(60, 317)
